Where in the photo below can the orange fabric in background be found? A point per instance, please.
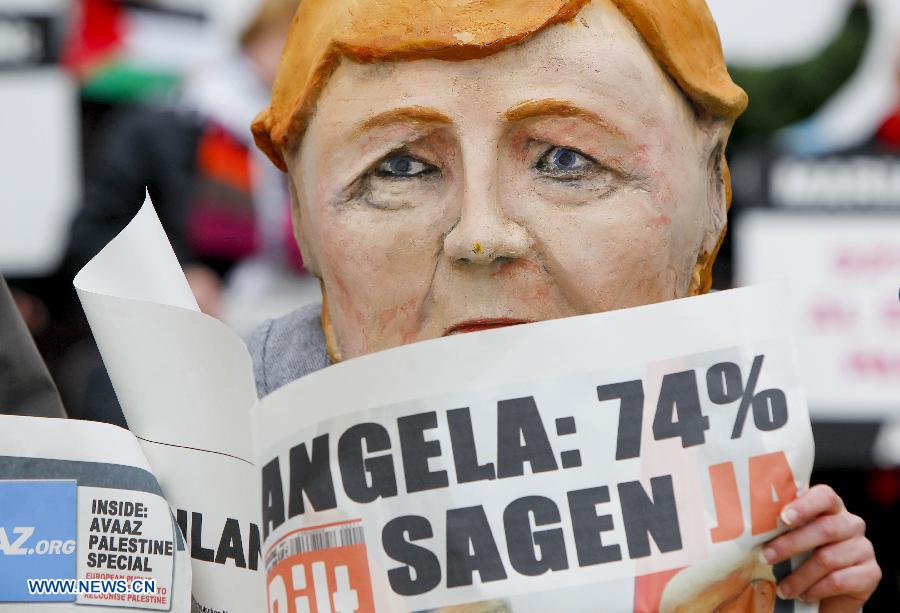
(221, 157)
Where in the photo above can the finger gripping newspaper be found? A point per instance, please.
(626, 461)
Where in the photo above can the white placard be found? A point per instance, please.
(844, 274)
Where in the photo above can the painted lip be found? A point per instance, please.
(477, 325)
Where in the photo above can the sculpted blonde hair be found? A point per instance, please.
(681, 35)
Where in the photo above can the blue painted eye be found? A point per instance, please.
(403, 166)
(562, 161)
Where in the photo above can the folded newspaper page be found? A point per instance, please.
(626, 461)
(83, 522)
(185, 383)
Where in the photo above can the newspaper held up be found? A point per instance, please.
(639, 456)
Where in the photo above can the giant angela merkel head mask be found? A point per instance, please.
(457, 165)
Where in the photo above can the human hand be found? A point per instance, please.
(842, 572)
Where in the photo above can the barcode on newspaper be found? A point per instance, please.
(327, 538)
(311, 541)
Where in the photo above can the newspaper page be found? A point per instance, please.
(185, 383)
(83, 523)
(625, 461)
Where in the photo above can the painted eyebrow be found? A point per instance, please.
(560, 108)
(408, 114)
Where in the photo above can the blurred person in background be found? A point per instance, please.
(225, 210)
(216, 199)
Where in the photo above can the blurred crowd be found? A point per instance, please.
(176, 125)
(163, 100)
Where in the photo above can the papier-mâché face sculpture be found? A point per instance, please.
(470, 164)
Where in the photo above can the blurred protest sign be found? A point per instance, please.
(844, 273)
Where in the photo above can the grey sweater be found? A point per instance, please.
(288, 348)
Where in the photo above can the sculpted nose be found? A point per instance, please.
(484, 234)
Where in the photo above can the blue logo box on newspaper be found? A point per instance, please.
(37, 537)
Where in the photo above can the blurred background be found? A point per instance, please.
(100, 98)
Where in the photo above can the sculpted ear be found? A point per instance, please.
(718, 191)
(718, 199)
